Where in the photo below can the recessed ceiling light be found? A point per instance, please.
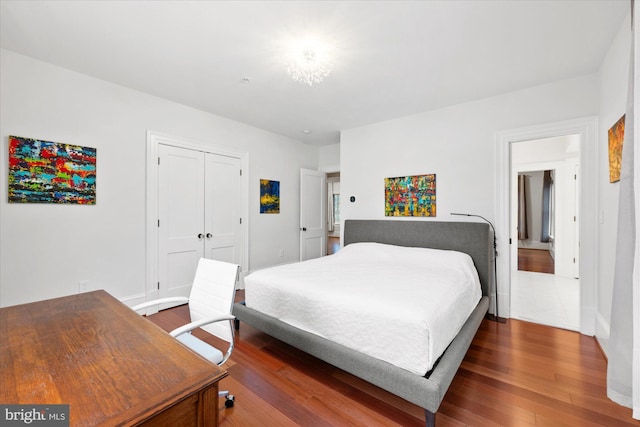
(306, 131)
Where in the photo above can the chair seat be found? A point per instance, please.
(205, 350)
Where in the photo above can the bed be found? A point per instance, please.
(425, 390)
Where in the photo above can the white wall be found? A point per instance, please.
(329, 158)
(614, 79)
(547, 149)
(455, 143)
(45, 250)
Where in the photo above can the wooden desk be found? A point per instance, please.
(111, 365)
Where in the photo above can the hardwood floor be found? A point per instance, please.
(536, 260)
(515, 374)
(333, 245)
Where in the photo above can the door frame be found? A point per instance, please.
(154, 139)
(587, 128)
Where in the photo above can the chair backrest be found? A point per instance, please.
(212, 294)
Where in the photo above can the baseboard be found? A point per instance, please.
(133, 299)
(602, 333)
(533, 244)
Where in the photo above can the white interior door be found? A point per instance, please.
(180, 219)
(223, 223)
(199, 198)
(313, 229)
(180, 174)
(576, 223)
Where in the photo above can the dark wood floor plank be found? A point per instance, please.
(535, 260)
(261, 413)
(515, 374)
(547, 405)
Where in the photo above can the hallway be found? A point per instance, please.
(546, 299)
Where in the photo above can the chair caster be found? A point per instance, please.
(228, 403)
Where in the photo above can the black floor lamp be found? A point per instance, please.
(495, 317)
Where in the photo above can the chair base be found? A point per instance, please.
(230, 398)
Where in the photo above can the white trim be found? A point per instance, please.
(330, 169)
(602, 332)
(636, 271)
(154, 139)
(536, 167)
(587, 128)
(133, 300)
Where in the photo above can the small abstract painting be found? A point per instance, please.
(269, 196)
(616, 139)
(51, 172)
(410, 195)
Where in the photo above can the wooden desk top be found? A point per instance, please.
(111, 365)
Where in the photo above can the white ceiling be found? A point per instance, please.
(392, 58)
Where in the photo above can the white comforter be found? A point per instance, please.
(402, 305)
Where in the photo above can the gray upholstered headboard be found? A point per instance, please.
(473, 238)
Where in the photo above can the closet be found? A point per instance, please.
(199, 214)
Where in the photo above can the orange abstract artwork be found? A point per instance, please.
(616, 138)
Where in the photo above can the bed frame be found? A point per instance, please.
(475, 239)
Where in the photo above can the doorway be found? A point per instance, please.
(544, 286)
(333, 212)
(587, 185)
(536, 221)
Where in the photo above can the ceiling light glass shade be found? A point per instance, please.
(309, 62)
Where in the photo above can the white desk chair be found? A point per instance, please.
(210, 306)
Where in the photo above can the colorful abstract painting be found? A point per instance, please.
(51, 172)
(616, 139)
(269, 196)
(410, 196)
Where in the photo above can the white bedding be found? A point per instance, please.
(402, 305)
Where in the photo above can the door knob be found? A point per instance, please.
(200, 235)
(209, 235)
(304, 228)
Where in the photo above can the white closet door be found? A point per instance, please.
(181, 218)
(222, 216)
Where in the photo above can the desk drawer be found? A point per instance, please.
(198, 410)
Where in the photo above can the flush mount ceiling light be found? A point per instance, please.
(309, 60)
